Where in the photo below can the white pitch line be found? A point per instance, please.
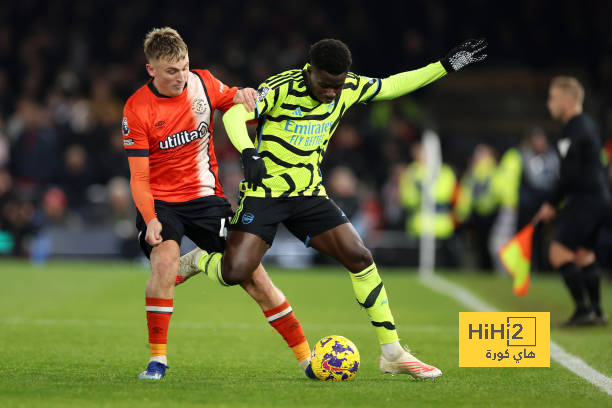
(557, 353)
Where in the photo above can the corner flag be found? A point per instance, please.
(515, 255)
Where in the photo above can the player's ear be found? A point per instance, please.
(150, 69)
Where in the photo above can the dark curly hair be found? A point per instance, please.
(331, 55)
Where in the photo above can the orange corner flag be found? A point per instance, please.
(515, 255)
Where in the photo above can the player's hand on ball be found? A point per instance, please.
(254, 168)
(466, 53)
(246, 97)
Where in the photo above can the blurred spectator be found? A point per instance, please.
(54, 208)
(34, 151)
(527, 176)
(390, 195)
(358, 202)
(111, 161)
(540, 172)
(442, 225)
(346, 149)
(342, 187)
(477, 202)
(5, 148)
(17, 224)
(76, 175)
(6, 238)
(122, 216)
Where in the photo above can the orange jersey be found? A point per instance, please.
(175, 134)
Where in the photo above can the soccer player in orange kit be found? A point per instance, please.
(167, 133)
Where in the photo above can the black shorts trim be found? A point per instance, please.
(204, 220)
(304, 217)
(580, 221)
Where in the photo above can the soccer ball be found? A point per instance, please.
(335, 358)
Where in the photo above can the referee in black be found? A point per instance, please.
(584, 190)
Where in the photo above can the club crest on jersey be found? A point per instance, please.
(198, 106)
(183, 137)
(124, 127)
(261, 93)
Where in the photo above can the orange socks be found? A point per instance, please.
(159, 312)
(287, 325)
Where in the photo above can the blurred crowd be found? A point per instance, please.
(67, 67)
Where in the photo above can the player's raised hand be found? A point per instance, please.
(153, 235)
(254, 168)
(246, 96)
(464, 54)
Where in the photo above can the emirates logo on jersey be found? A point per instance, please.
(184, 137)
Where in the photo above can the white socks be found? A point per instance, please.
(160, 359)
(391, 351)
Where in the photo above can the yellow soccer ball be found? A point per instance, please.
(335, 358)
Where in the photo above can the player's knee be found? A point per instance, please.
(559, 255)
(360, 258)
(165, 266)
(236, 269)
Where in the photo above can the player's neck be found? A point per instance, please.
(571, 113)
(160, 91)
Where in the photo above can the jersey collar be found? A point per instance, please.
(159, 94)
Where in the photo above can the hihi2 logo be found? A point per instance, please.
(500, 339)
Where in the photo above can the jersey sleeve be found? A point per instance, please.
(406, 82)
(135, 139)
(221, 95)
(366, 88)
(136, 144)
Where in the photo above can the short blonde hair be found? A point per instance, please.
(164, 43)
(570, 86)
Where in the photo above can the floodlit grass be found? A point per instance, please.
(74, 334)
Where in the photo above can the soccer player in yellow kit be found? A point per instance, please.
(298, 111)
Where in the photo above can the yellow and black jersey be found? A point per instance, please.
(294, 131)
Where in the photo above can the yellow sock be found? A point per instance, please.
(211, 265)
(371, 294)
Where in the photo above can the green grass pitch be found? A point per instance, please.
(74, 334)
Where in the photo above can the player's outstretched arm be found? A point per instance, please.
(466, 53)
(235, 124)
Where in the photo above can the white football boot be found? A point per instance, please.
(189, 265)
(406, 363)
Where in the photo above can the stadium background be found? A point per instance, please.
(67, 67)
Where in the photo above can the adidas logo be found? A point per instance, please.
(297, 112)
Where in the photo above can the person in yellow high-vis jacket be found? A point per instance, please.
(443, 225)
(478, 201)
